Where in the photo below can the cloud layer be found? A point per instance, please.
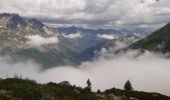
(94, 13)
(38, 41)
(107, 36)
(73, 36)
(149, 72)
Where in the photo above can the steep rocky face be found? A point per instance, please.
(15, 29)
(13, 21)
(24, 39)
(36, 24)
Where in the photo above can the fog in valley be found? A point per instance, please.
(147, 72)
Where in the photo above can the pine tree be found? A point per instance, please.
(98, 91)
(128, 86)
(89, 85)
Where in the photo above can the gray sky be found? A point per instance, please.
(94, 13)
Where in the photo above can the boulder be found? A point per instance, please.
(66, 83)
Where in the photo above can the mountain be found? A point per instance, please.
(91, 41)
(24, 39)
(73, 29)
(158, 41)
(29, 39)
(108, 47)
(84, 38)
(25, 89)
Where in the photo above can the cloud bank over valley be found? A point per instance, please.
(148, 72)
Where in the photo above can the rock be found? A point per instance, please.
(155, 95)
(113, 97)
(132, 98)
(51, 84)
(66, 83)
(48, 96)
(77, 91)
(102, 97)
(5, 93)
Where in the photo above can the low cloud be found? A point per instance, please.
(107, 36)
(148, 72)
(73, 36)
(37, 40)
(108, 52)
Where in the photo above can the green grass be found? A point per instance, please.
(25, 89)
(152, 41)
(30, 90)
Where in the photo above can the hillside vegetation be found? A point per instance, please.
(158, 41)
(25, 89)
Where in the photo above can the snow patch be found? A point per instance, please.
(18, 25)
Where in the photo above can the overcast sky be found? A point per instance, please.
(94, 13)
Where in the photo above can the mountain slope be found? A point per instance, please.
(109, 46)
(158, 41)
(25, 39)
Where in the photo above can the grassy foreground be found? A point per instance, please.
(25, 89)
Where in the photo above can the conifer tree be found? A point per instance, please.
(128, 86)
(89, 85)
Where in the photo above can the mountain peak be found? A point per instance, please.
(12, 21)
(15, 21)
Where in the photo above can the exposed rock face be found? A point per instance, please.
(132, 98)
(101, 97)
(5, 93)
(13, 21)
(36, 24)
(66, 83)
(18, 36)
(77, 92)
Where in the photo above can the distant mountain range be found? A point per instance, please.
(158, 41)
(92, 37)
(24, 39)
(91, 41)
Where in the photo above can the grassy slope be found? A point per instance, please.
(24, 89)
(29, 90)
(152, 41)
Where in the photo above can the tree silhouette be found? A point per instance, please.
(98, 91)
(89, 85)
(128, 86)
